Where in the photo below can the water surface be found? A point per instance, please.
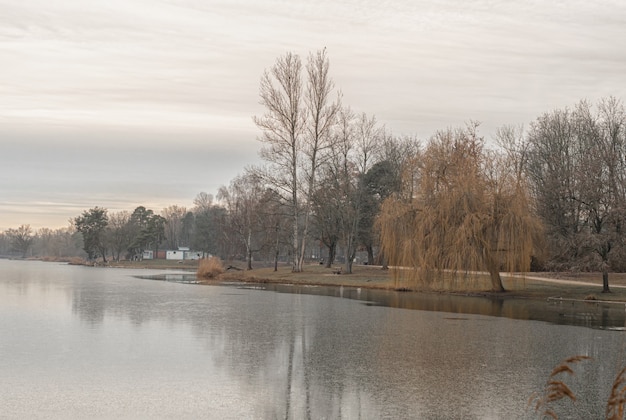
(80, 342)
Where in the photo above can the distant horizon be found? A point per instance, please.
(120, 104)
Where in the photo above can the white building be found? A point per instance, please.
(192, 255)
(183, 253)
(178, 254)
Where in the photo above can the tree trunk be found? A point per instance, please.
(249, 249)
(332, 251)
(249, 259)
(605, 281)
(349, 260)
(496, 281)
(370, 255)
(494, 272)
(296, 260)
(350, 252)
(277, 250)
(382, 260)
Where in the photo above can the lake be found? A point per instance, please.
(89, 343)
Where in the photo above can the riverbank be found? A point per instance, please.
(578, 286)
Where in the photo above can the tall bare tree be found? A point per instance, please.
(322, 111)
(341, 204)
(296, 131)
(577, 168)
(332, 200)
(283, 126)
(242, 200)
(174, 217)
(367, 141)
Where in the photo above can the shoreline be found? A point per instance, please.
(573, 286)
(536, 285)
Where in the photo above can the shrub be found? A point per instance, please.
(76, 261)
(210, 268)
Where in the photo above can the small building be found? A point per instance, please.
(147, 254)
(178, 254)
(183, 253)
(192, 255)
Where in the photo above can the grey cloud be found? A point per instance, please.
(154, 98)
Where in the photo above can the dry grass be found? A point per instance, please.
(615, 404)
(373, 277)
(76, 261)
(555, 388)
(210, 268)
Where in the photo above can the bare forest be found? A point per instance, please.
(338, 188)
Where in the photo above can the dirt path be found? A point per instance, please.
(564, 281)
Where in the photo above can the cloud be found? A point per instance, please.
(113, 93)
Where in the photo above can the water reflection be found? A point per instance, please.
(84, 342)
(602, 315)
(592, 314)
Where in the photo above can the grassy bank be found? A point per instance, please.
(532, 285)
(189, 265)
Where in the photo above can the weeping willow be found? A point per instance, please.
(468, 217)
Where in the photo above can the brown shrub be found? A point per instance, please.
(76, 261)
(210, 268)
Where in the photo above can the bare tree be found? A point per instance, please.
(242, 200)
(203, 201)
(322, 112)
(174, 218)
(21, 239)
(119, 233)
(367, 139)
(283, 126)
(296, 132)
(208, 223)
(340, 202)
(327, 215)
(576, 165)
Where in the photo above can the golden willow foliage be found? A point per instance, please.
(463, 212)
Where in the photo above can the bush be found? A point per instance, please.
(76, 261)
(210, 268)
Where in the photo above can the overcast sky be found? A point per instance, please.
(121, 103)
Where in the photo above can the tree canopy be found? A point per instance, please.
(465, 214)
(92, 224)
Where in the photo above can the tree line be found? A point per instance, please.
(99, 234)
(335, 183)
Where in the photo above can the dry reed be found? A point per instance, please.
(210, 268)
(615, 404)
(555, 389)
